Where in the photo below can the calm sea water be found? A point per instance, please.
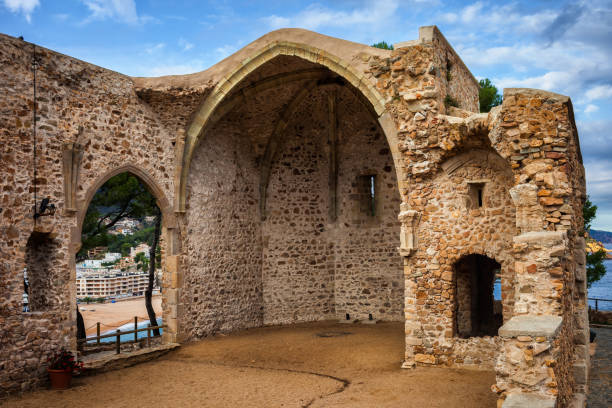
(601, 289)
(127, 327)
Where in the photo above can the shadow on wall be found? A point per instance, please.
(41, 253)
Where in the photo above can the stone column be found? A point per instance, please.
(409, 219)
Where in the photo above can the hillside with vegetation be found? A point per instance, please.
(604, 237)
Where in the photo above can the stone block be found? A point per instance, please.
(425, 358)
(580, 372)
(519, 400)
(542, 238)
(531, 325)
(578, 401)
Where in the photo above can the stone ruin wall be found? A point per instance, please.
(535, 133)
(541, 142)
(368, 269)
(115, 124)
(312, 267)
(450, 228)
(222, 287)
(316, 267)
(298, 268)
(543, 269)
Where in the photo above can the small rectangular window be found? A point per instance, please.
(367, 194)
(476, 195)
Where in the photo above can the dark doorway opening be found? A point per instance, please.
(478, 313)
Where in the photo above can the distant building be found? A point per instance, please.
(125, 226)
(111, 256)
(96, 252)
(140, 248)
(97, 263)
(111, 283)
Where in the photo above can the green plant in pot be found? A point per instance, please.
(62, 366)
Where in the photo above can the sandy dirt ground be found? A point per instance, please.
(113, 315)
(289, 366)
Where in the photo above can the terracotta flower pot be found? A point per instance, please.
(60, 379)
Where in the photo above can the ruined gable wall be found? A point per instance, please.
(455, 79)
(538, 133)
(222, 287)
(449, 228)
(118, 128)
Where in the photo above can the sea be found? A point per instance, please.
(601, 289)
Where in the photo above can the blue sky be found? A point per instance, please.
(564, 47)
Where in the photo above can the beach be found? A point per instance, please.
(113, 315)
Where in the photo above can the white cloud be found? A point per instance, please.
(449, 17)
(499, 20)
(598, 92)
(590, 108)
(551, 81)
(152, 49)
(26, 7)
(225, 51)
(275, 21)
(523, 53)
(61, 16)
(119, 10)
(316, 16)
(471, 13)
(184, 44)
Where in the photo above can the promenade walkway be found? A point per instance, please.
(600, 392)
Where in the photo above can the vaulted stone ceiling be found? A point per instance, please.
(262, 102)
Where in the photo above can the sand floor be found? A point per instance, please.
(113, 315)
(287, 366)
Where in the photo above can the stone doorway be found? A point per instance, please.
(478, 312)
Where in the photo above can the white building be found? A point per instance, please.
(97, 263)
(140, 248)
(111, 283)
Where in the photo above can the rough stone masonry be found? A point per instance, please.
(308, 178)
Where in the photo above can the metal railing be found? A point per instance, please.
(118, 333)
(597, 300)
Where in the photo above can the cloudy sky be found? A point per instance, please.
(560, 46)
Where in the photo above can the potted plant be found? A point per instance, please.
(61, 367)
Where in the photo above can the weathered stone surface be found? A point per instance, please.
(259, 164)
(516, 400)
(531, 325)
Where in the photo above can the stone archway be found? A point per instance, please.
(256, 160)
(169, 240)
(308, 53)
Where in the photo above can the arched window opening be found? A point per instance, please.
(478, 311)
(40, 273)
(119, 265)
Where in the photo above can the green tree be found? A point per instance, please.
(142, 262)
(488, 95)
(123, 196)
(595, 267)
(383, 45)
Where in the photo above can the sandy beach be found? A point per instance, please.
(113, 315)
